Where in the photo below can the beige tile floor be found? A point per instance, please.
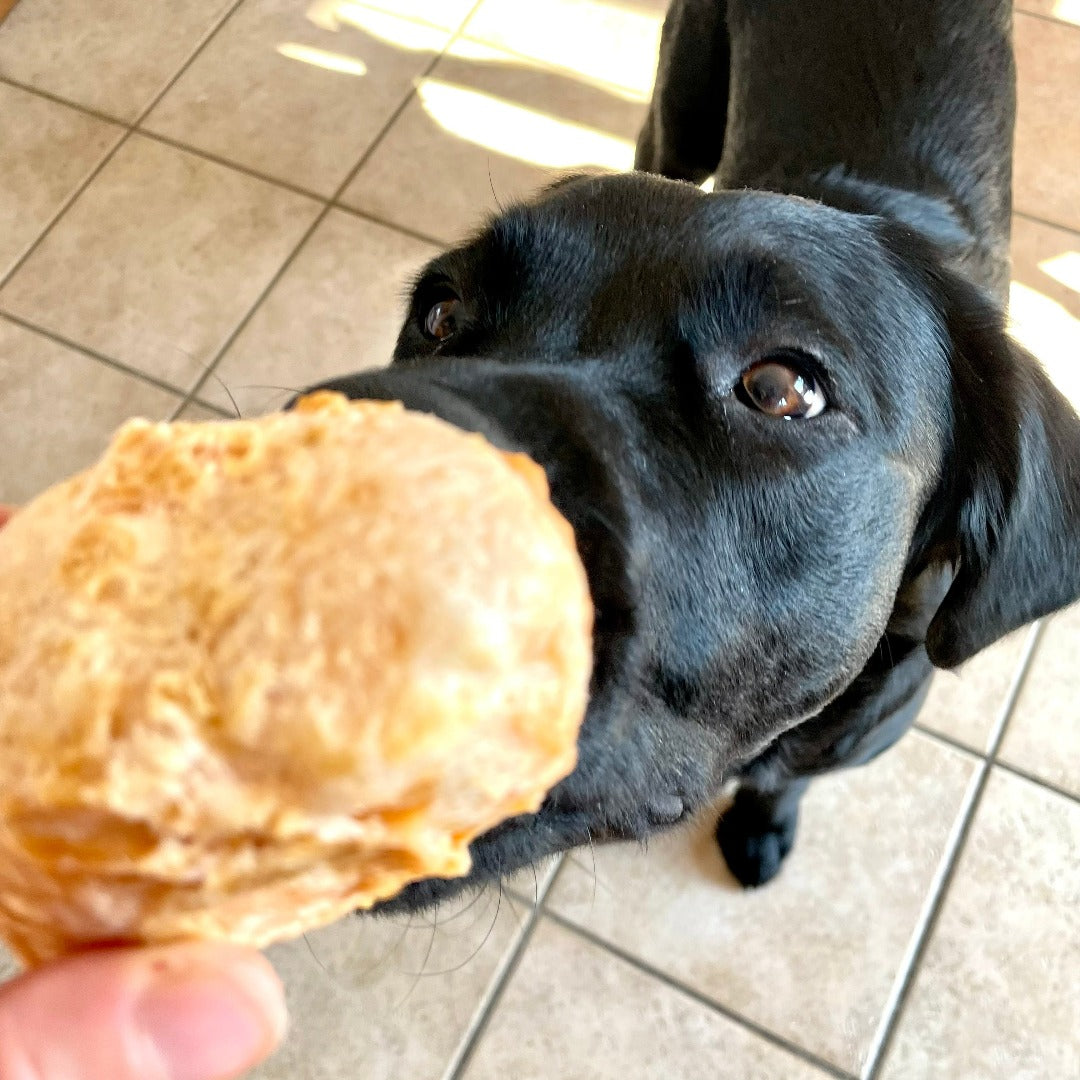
(221, 194)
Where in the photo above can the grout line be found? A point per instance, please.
(96, 171)
(217, 410)
(1038, 781)
(375, 219)
(56, 99)
(319, 218)
(947, 868)
(210, 369)
(916, 946)
(1046, 18)
(288, 185)
(948, 740)
(93, 354)
(195, 54)
(1016, 770)
(255, 174)
(466, 1048)
(63, 209)
(217, 159)
(1045, 221)
(236, 166)
(753, 1026)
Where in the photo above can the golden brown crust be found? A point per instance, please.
(256, 674)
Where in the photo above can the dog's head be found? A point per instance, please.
(769, 422)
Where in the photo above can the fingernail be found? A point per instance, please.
(212, 1024)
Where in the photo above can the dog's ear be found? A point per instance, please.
(1011, 484)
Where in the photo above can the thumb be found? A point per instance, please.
(178, 1012)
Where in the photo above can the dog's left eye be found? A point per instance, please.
(783, 387)
(443, 318)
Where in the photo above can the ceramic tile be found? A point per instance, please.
(1068, 11)
(634, 1025)
(1046, 181)
(1044, 305)
(336, 309)
(290, 99)
(814, 954)
(1043, 736)
(965, 704)
(49, 149)
(995, 998)
(389, 999)
(484, 129)
(159, 259)
(567, 33)
(114, 56)
(58, 409)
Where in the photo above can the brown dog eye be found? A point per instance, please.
(441, 321)
(777, 388)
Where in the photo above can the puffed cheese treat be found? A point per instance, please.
(256, 674)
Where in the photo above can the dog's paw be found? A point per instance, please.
(754, 847)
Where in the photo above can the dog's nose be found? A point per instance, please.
(425, 395)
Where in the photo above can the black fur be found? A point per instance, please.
(772, 595)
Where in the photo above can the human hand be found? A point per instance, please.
(196, 1011)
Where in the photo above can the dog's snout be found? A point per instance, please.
(545, 412)
(424, 395)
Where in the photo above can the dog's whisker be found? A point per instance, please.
(271, 386)
(465, 910)
(517, 914)
(364, 974)
(491, 184)
(221, 382)
(427, 957)
(315, 956)
(592, 855)
(475, 953)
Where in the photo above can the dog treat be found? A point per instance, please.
(256, 674)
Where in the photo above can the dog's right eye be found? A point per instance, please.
(782, 386)
(443, 318)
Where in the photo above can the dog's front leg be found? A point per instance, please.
(757, 831)
(683, 136)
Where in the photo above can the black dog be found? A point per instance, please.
(803, 459)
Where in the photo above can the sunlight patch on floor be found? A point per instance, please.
(331, 61)
(390, 30)
(610, 43)
(1064, 268)
(1051, 332)
(1069, 10)
(519, 132)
